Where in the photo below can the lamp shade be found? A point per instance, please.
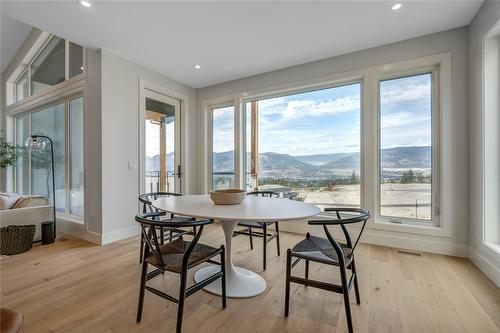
(34, 143)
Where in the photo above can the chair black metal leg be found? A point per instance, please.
(223, 281)
(194, 231)
(287, 281)
(356, 287)
(141, 291)
(162, 237)
(251, 239)
(171, 234)
(264, 249)
(345, 292)
(180, 304)
(307, 269)
(277, 237)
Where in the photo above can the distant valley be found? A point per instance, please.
(394, 161)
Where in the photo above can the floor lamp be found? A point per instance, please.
(38, 143)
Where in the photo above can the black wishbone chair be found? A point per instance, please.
(267, 237)
(330, 252)
(177, 256)
(167, 233)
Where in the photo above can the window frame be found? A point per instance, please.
(24, 71)
(435, 147)
(66, 100)
(211, 108)
(26, 65)
(490, 229)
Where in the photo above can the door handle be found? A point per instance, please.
(179, 171)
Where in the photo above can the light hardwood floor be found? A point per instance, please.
(75, 286)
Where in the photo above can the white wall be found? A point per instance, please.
(92, 146)
(455, 155)
(120, 141)
(484, 257)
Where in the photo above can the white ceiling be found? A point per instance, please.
(231, 40)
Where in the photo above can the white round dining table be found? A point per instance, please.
(240, 282)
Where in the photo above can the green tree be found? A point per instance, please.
(408, 177)
(42, 160)
(354, 178)
(8, 152)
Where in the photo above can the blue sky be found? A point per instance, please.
(406, 111)
(328, 120)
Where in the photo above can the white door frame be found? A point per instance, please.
(147, 89)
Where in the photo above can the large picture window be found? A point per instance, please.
(223, 147)
(50, 122)
(369, 138)
(406, 147)
(307, 143)
(63, 123)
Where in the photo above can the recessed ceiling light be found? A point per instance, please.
(197, 66)
(397, 6)
(85, 3)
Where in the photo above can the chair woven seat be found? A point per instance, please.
(174, 251)
(320, 250)
(253, 224)
(177, 219)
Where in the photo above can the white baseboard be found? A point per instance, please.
(78, 230)
(415, 243)
(117, 235)
(486, 264)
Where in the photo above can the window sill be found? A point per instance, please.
(383, 225)
(70, 218)
(495, 247)
(428, 230)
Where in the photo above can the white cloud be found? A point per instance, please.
(153, 138)
(410, 136)
(393, 94)
(300, 142)
(396, 120)
(310, 108)
(223, 134)
(224, 113)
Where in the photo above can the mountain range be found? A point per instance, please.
(319, 165)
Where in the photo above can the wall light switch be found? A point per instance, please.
(132, 165)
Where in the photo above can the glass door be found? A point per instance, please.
(162, 143)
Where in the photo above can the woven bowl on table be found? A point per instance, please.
(15, 239)
(230, 196)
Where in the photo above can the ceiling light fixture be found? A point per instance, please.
(197, 66)
(397, 6)
(85, 3)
